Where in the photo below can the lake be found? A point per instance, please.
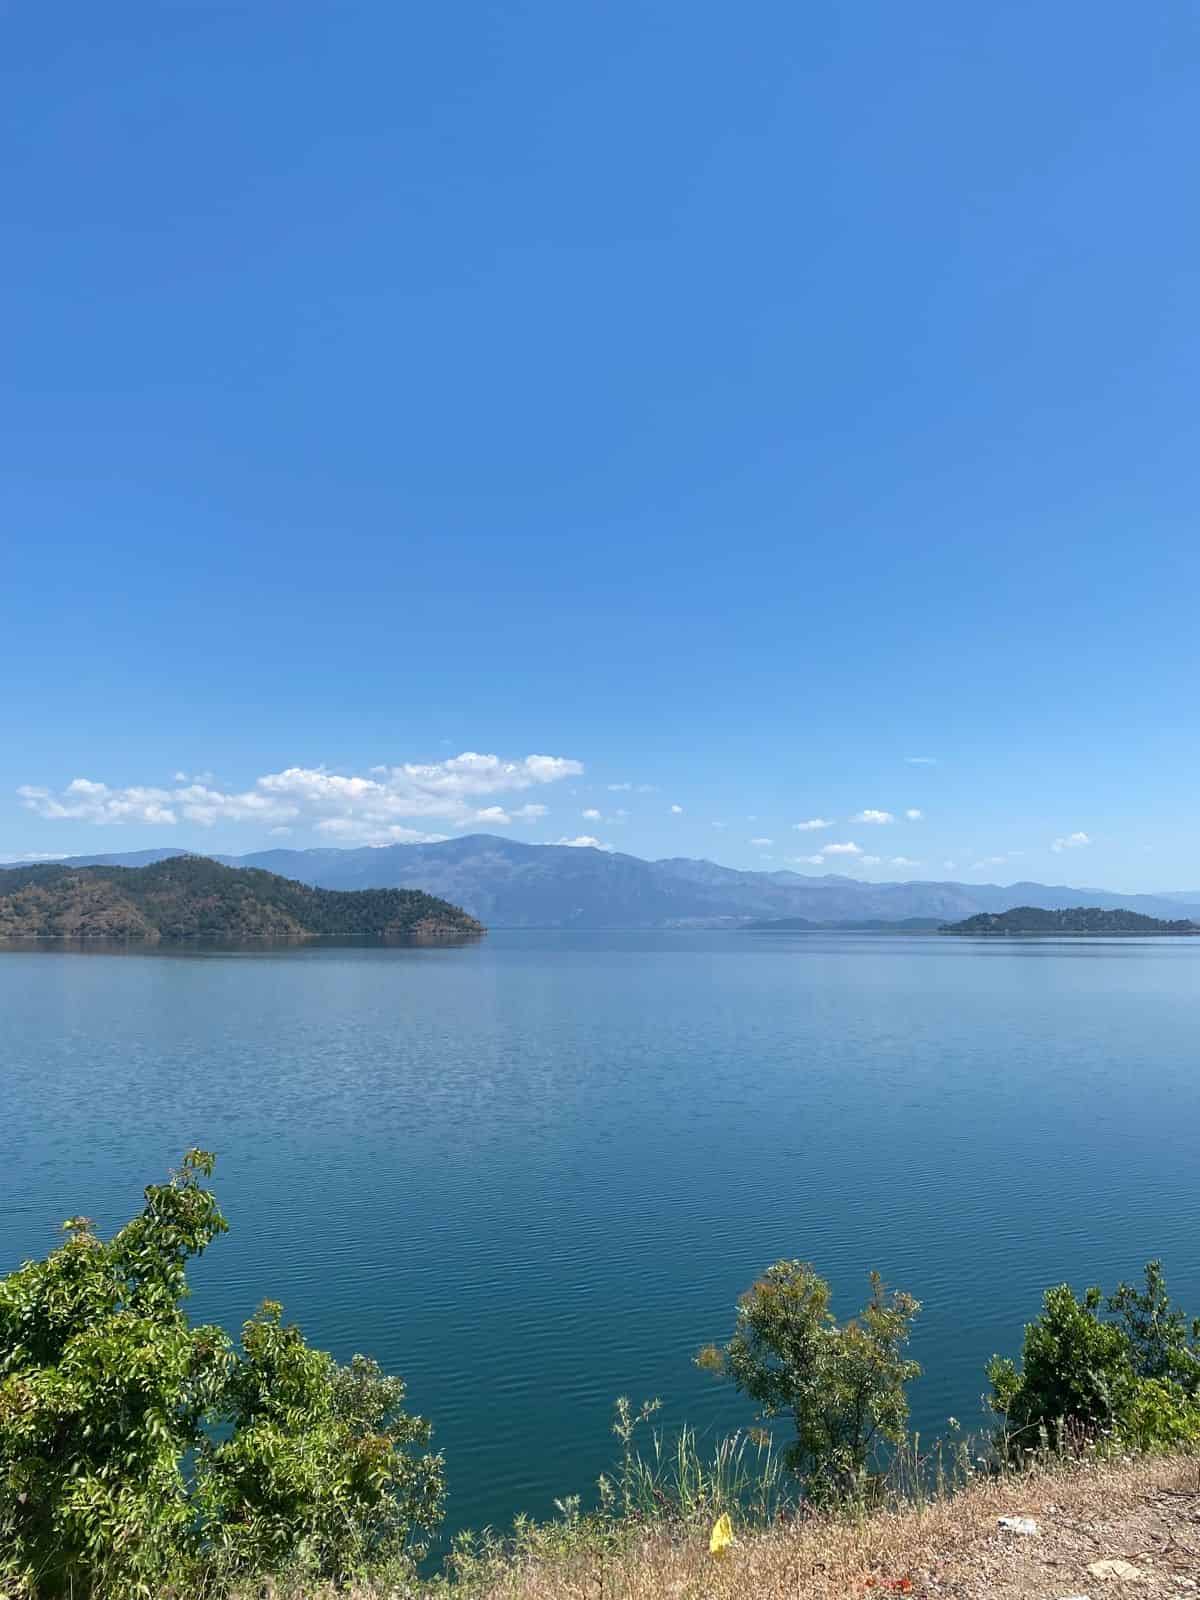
(533, 1173)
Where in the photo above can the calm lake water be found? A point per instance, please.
(534, 1173)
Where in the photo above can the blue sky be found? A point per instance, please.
(787, 413)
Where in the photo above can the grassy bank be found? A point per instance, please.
(1141, 1510)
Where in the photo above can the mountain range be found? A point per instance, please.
(509, 884)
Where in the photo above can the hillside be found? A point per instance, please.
(1074, 919)
(508, 883)
(190, 897)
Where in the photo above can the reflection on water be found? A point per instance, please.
(201, 946)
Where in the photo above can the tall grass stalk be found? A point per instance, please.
(682, 1481)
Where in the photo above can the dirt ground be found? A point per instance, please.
(1146, 1515)
(1143, 1512)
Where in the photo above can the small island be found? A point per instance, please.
(191, 897)
(1034, 920)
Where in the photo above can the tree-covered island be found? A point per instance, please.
(191, 897)
(1073, 920)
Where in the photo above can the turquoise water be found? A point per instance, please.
(534, 1173)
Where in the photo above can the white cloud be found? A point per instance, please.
(904, 861)
(530, 813)
(808, 861)
(590, 815)
(367, 810)
(874, 816)
(869, 861)
(914, 814)
(921, 761)
(764, 844)
(496, 814)
(676, 811)
(352, 831)
(988, 861)
(720, 824)
(1073, 841)
(584, 841)
(811, 825)
(619, 788)
(847, 849)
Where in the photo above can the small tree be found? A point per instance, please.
(104, 1386)
(843, 1384)
(106, 1390)
(316, 1469)
(1133, 1374)
(1075, 1370)
(1164, 1343)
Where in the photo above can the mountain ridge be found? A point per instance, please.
(511, 883)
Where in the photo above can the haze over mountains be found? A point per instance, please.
(510, 884)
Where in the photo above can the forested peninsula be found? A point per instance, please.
(1075, 919)
(191, 897)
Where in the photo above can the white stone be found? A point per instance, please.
(1022, 1525)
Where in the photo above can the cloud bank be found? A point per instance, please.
(376, 809)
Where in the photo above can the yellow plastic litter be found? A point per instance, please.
(722, 1536)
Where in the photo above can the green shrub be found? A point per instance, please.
(1131, 1376)
(316, 1471)
(842, 1384)
(1163, 1342)
(1159, 1416)
(1075, 1369)
(106, 1391)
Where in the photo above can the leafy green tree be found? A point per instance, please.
(1076, 1370)
(842, 1384)
(317, 1469)
(107, 1392)
(1133, 1374)
(1164, 1343)
(104, 1386)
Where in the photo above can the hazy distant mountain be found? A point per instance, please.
(506, 883)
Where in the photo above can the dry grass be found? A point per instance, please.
(1144, 1511)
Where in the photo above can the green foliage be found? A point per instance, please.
(189, 897)
(1164, 1343)
(104, 1386)
(1131, 1376)
(317, 1469)
(107, 1391)
(843, 1384)
(1159, 1415)
(1075, 1368)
